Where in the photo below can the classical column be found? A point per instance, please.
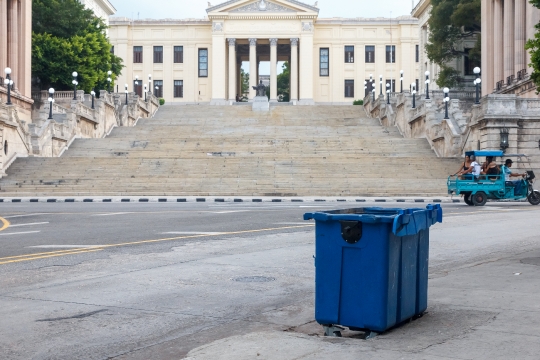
(519, 32)
(294, 69)
(498, 63)
(3, 36)
(252, 67)
(218, 65)
(232, 69)
(13, 41)
(532, 15)
(488, 80)
(273, 69)
(508, 38)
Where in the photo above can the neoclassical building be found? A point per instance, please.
(506, 26)
(199, 60)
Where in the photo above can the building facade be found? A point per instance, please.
(422, 11)
(199, 60)
(101, 8)
(506, 27)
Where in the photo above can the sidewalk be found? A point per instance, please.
(488, 310)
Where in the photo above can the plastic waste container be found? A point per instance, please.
(371, 266)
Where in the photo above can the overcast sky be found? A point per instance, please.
(181, 9)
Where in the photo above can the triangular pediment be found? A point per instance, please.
(261, 7)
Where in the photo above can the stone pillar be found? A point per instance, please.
(273, 70)
(306, 70)
(232, 69)
(3, 37)
(509, 38)
(218, 66)
(252, 67)
(25, 50)
(239, 76)
(532, 15)
(488, 79)
(13, 40)
(498, 63)
(294, 70)
(520, 23)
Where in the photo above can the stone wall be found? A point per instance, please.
(469, 126)
(37, 135)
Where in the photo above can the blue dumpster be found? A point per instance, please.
(371, 265)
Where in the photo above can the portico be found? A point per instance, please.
(278, 34)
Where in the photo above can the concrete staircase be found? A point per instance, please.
(228, 151)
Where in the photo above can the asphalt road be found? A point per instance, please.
(156, 280)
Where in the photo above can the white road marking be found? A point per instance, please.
(29, 224)
(19, 233)
(63, 246)
(294, 223)
(227, 212)
(15, 216)
(109, 214)
(191, 233)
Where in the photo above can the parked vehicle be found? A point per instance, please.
(477, 191)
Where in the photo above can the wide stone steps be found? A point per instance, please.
(231, 151)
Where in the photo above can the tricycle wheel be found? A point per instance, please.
(479, 199)
(534, 197)
(467, 199)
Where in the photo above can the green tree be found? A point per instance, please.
(245, 81)
(533, 45)
(451, 22)
(283, 83)
(67, 37)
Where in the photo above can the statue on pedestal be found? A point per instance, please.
(261, 89)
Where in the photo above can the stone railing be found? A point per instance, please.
(72, 119)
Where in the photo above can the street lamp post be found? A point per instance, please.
(93, 93)
(446, 100)
(413, 87)
(109, 73)
(373, 92)
(157, 88)
(380, 83)
(388, 93)
(150, 82)
(51, 102)
(427, 85)
(401, 80)
(145, 92)
(75, 83)
(136, 83)
(126, 94)
(477, 84)
(8, 82)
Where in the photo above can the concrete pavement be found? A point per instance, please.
(244, 285)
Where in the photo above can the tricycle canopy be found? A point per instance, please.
(494, 153)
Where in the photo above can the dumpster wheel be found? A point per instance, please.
(332, 330)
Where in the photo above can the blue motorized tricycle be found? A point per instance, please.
(477, 190)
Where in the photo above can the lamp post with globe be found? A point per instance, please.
(427, 85)
(446, 100)
(9, 83)
(93, 93)
(51, 102)
(401, 80)
(126, 94)
(109, 73)
(477, 84)
(413, 87)
(75, 83)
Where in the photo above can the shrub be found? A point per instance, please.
(161, 101)
(358, 102)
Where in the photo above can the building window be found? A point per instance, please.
(349, 54)
(158, 54)
(137, 54)
(178, 88)
(178, 54)
(203, 63)
(349, 88)
(370, 53)
(417, 53)
(369, 87)
(112, 49)
(137, 87)
(390, 54)
(159, 91)
(392, 85)
(468, 65)
(324, 62)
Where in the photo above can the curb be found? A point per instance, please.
(210, 200)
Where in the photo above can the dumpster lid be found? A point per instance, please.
(404, 221)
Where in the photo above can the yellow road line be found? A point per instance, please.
(48, 253)
(5, 222)
(29, 257)
(47, 256)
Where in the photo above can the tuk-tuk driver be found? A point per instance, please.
(508, 174)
